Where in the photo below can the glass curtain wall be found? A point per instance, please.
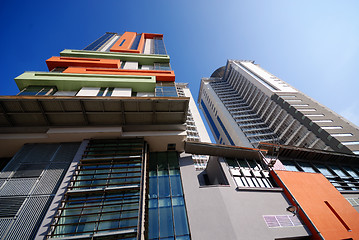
(167, 218)
(104, 194)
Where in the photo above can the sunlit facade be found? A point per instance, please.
(245, 105)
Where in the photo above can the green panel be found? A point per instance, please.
(142, 59)
(74, 81)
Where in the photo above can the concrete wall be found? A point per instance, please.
(222, 212)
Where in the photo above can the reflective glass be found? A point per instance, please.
(180, 220)
(323, 169)
(163, 186)
(306, 167)
(166, 222)
(176, 187)
(153, 226)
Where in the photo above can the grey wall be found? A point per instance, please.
(222, 212)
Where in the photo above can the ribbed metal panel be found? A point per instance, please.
(29, 219)
(17, 187)
(66, 152)
(41, 153)
(2, 181)
(10, 205)
(14, 162)
(50, 179)
(4, 224)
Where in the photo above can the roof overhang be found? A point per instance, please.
(55, 111)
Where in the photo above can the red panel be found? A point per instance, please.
(54, 62)
(323, 204)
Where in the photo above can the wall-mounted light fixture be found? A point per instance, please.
(292, 209)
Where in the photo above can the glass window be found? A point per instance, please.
(159, 46)
(248, 173)
(290, 166)
(103, 211)
(323, 169)
(167, 213)
(307, 167)
(136, 42)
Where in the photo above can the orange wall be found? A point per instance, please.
(161, 76)
(328, 210)
(127, 38)
(82, 62)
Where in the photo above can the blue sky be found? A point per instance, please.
(312, 45)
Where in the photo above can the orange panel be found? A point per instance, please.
(124, 43)
(82, 62)
(127, 39)
(161, 76)
(323, 204)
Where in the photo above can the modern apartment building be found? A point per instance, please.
(79, 137)
(245, 105)
(106, 145)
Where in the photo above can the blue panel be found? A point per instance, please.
(153, 187)
(180, 219)
(136, 42)
(163, 186)
(176, 186)
(166, 222)
(225, 131)
(208, 115)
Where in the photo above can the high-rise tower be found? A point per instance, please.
(245, 105)
(78, 140)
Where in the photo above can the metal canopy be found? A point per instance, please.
(23, 111)
(292, 152)
(211, 149)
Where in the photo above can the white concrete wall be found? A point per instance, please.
(202, 131)
(231, 126)
(148, 46)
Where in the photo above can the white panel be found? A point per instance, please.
(122, 92)
(147, 67)
(148, 46)
(130, 65)
(145, 94)
(88, 91)
(109, 44)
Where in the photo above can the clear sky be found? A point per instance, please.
(312, 45)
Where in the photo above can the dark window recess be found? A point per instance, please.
(4, 162)
(38, 90)
(102, 90)
(122, 42)
(10, 205)
(171, 147)
(109, 91)
(29, 170)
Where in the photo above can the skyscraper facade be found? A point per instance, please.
(78, 140)
(245, 105)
